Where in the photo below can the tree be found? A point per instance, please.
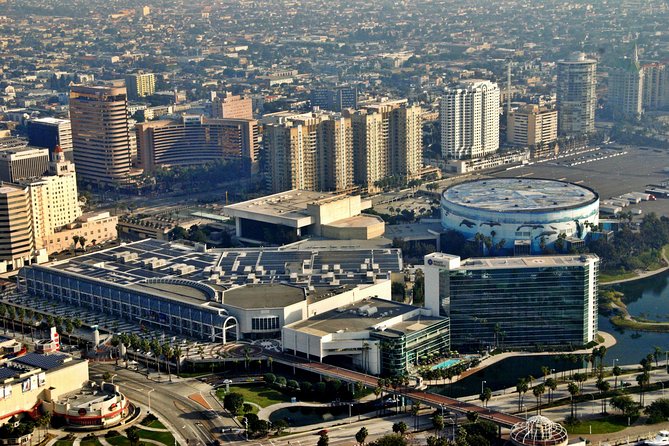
(323, 440)
(574, 390)
(521, 388)
(603, 387)
(133, 435)
(361, 435)
(3, 313)
(624, 404)
(538, 391)
(82, 242)
(270, 378)
(617, 371)
(438, 423)
(233, 402)
(280, 426)
(658, 410)
(551, 385)
(485, 396)
(389, 440)
(642, 379)
(400, 427)
(168, 353)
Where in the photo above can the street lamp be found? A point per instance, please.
(149, 394)
(482, 382)
(524, 407)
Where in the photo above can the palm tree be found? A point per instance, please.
(521, 388)
(39, 317)
(551, 384)
(415, 410)
(11, 313)
(485, 396)
(603, 387)
(573, 391)
(538, 391)
(3, 313)
(546, 371)
(642, 379)
(168, 353)
(21, 314)
(617, 371)
(657, 351)
(177, 356)
(146, 348)
(82, 242)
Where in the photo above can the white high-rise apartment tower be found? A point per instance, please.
(469, 116)
(576, 98)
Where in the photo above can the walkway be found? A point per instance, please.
(264, 412)
(643, 274)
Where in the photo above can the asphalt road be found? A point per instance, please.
(187, 419)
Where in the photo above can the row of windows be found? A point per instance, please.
(265, 323)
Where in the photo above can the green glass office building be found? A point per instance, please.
(515, 302)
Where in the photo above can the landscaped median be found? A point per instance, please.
(149, 429)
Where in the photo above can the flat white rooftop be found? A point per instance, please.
(525, 262)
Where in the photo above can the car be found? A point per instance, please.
(625, 384)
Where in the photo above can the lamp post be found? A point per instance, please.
(524, 407)
(482, 382)
(149, 394)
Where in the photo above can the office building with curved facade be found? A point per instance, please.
(576, 95)
(193, 140)
(520, 211)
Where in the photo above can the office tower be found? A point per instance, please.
(140, 85)
(514, 302)
(232, 107)
(23, 162)
(16, 236)
(576, 98)
(310, 152)
(194, 140)
(532, 126)
(626, 88)
(53, 198)
(49, 133)
(100, 133)
(337, 99)
(655, 86)
(470, 120)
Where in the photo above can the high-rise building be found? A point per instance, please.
(514, 302)
(576, 97)
(232, 107)
(16, 235)
(531, 126)
(194, 140)
(310, 152)
(49, 133)
(53, 198)
(140, 85)
(23, 162)
(626, 88)
(655, 86)
(100, 133)
(469, 116)
(337, 99)
(388, 141)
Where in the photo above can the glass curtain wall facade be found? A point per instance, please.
(399, 348)
(192, 319)
(519, 307)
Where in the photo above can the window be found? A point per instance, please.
(265, 323)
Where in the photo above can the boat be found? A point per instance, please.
(661, 439)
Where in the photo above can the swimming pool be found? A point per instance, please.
(445, 364)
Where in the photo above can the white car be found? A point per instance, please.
(661, 439)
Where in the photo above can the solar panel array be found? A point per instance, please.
(44, 362)
(150, 259)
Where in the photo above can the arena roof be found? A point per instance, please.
(519, 194)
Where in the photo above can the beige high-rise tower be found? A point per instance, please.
(626, 88)
(655, 86)
(100, 133)
(310, 152)
(388, 141)
(16, 235)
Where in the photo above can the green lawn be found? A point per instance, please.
(165, 438)
(606, 425)
(119, 440)
(262, 395)
(64, 443)
(604, 277)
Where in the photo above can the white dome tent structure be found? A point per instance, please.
(538, 431)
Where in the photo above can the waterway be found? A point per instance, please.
(647, 298)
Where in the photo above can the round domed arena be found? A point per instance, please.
(521, 215)
(538, 431)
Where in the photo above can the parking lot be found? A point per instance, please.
(608, 175)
